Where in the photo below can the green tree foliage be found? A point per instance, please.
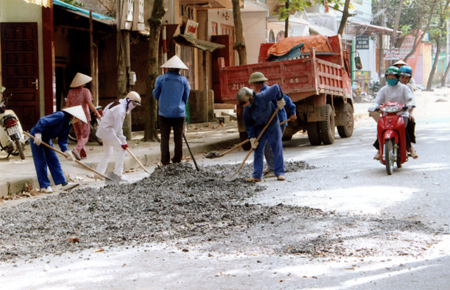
(300, 5)
(73, 2)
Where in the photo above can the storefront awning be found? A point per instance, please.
(365, 28)
(84, 12)
(186, 40)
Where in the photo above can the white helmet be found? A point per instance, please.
(244, 95)
(134, 96)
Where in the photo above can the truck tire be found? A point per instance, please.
(244, 136)
(313, 133)
(347, 130)
(327, 127)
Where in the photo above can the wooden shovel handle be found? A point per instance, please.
(78, 162)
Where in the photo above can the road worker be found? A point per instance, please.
(258, 82)
(258, 108)
(111, 133)
(172, 93)
(56, 125)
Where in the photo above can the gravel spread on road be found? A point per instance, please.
(198, 209)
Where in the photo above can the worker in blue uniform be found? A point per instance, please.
(258, 82)
(56, 125)
(258, 108)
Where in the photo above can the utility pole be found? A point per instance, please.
(123, 63)
(381, 66)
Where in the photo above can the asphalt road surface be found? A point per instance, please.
(369, 231)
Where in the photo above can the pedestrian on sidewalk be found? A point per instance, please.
(111, 132)
(258, 108)
(56, 125)
(258, 82)
(81, 96)
(172, 93)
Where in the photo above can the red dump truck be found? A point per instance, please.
(317, 80)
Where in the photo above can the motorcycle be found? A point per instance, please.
(391, 136)
(94, 125)
(12, 139)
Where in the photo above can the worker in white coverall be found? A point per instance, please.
(111, 133)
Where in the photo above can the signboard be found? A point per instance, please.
(407, 46)
(391, 54)
(362, 42)
(191, 28)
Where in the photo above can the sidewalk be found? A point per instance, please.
(202, 138)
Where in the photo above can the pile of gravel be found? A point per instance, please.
(179, 203)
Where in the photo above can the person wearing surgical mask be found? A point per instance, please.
(111, 132)
(394, 91)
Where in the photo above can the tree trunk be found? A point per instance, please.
(239, 31)
(444, 78)
(436, 59)
(345, 16)
(150, 104)
(417, 42)
(286, 22)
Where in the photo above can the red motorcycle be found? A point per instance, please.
(391, 136)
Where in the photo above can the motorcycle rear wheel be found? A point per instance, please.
(389, 156)
(19, 149)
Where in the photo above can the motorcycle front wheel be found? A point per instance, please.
(389, 158)
(94, 127)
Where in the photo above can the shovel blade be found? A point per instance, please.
(113, 178)
(231, 177)
(213, 154)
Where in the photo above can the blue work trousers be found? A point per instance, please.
(44, 157)
(274, 140)
(268, 152)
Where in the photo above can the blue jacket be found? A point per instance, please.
(172, 93)
(257, 116)
(56, 125)
(282, 114)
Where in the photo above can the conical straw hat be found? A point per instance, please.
(400, 62)
(79, 80)
(174, 62)
(77, 112)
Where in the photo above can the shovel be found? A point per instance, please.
(78, 162)
(135, 158)
(214, 154)
(190, 152)
(233, 176)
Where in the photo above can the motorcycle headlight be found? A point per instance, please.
(391, 109)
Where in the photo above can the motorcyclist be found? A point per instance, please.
(405, 78)
(394, 91)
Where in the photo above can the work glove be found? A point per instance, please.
(254, 143)
(124, 146)
(69, 155)
(281, 103)
(38, 139)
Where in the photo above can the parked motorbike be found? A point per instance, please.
(391, 136)
(94, 125)
(12, 139)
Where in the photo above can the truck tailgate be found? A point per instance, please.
(298, 78)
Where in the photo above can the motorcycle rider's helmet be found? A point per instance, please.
(134, 96)
(244, 95)
(393, 70)
(406, 70)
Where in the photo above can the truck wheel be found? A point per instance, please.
(347, 130)
(244, 136)
(313, 133)
(327, 127)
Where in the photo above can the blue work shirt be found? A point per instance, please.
(257, 116)
(282, 114)
(56, 125)
(172, 93)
